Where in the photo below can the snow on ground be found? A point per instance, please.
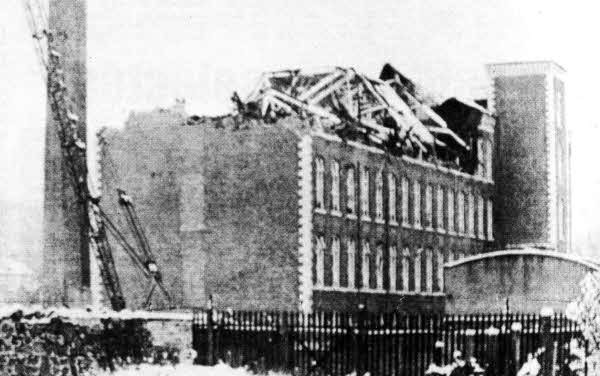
(184, 370)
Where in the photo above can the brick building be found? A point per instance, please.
(285, 213)
(532, 171)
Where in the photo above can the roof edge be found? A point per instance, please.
(525, 252)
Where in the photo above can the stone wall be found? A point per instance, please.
(529, 280)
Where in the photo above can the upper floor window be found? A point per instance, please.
(379, 196)
(450, 210)
(335, 261)
(392, 198)
(490, 227)
(366, 264)
(404, 198)
(320, 184)
(379, 266)
(335, 186)
(320, 261)
(439, 208)
(364, 192)
(393, 268)
(480, 226)
(417, 204)
(461, 213)
(351, 251)
(428, 207)
(350, 192)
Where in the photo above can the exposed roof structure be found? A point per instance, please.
(391, 112)
(341, 97)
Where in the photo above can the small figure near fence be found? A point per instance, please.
(458, 367)
(531, 367)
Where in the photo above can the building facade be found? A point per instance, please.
(383, 226)
(281, 216)
(532, 164)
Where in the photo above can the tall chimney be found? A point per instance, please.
(66, 258)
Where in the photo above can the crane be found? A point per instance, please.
(74, 151)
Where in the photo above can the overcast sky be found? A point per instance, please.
(145, 53)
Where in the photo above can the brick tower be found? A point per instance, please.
(66, 264)
(532, 169)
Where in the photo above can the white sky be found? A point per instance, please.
(145, 53)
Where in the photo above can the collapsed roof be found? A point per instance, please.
(388, 112)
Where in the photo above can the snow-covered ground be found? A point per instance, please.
(183, 370)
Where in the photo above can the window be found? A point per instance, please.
(350, 192)
(335, 263)
(450, 210)
(418, 265)
(471, 212)
(351, 264)
(379, 267)
(366, 264)
(490, 227)
(335, 187)
(428, 270)
(379, 196)
(440, 270)
(320, 261)
(461, 213)
(364, 192)
(480, 226)
(319, 184)
(417, 204)
(488, 159)
(481, 157)
(439, 215)
(392, 198)
(429, 207)
(393, 268)
(404, 198)
(559, 219)
(405, 269)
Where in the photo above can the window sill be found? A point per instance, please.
(380, 221)
(429, 229)
(320, 211)
(365, 218)
(418, 227)
(351, 216)
(336, 213)
(441, 230)
(343, 289)
(393, 223)
(405, 225)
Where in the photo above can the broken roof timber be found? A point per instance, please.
(381, 109)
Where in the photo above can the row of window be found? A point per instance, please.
(433, 206)
(340, 265)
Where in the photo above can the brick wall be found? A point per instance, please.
(329, 225)
(520, 171)
(219, 207)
